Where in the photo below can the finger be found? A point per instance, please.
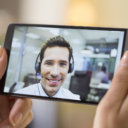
(5, 124)
(26, 120)
(3, 61)
(119, 87)
(124, 109)
(22, 124)
(20, 109)
(4, 108)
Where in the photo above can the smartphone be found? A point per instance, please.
(63, 63)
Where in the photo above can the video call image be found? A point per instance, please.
(65, 63)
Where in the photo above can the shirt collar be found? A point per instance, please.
(43, 93)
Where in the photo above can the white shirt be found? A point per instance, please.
(37, 90)
(102, 76)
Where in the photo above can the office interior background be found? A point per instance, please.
(110, 13)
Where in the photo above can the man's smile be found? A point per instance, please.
(53, 81)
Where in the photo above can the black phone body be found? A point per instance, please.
(96, 54)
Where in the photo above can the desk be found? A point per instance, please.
(95, 83)
(98, 89)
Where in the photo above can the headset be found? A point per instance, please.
(38, 64)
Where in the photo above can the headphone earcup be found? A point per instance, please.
(37, 64)
(70, 68)
(37, 67)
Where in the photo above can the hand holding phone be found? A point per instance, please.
(112, 110)
(111, 42)
(12, 112)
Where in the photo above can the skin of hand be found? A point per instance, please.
(112, 111)
(14, 112)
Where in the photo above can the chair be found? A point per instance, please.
(79, 84)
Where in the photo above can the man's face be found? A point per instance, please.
(54, 69)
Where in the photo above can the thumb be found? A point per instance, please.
(119, 87)
(3, 61)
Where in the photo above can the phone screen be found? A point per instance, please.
(62, 62)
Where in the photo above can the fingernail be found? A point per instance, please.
(124, 61)
(17, 119)
(1, 51)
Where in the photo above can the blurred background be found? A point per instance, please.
(110, 13)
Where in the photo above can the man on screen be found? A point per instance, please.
(53, 63)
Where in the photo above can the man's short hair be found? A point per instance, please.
(53, 42)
